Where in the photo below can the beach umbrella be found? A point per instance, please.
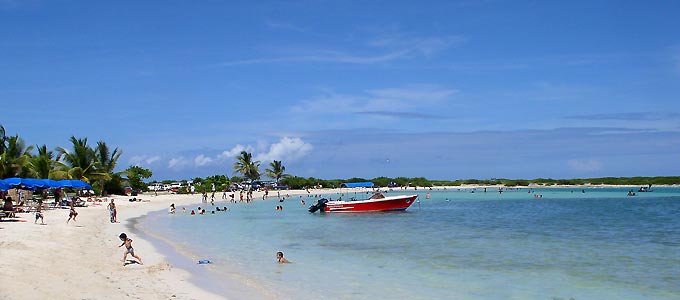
(12, 181)
(34, 184)
(79, 184)
(76, 184)
(51, 183)
(4, 186)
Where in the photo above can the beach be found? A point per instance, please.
(460, 244)
(82, 260)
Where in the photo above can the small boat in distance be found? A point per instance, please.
(645, 189)
(377, 202)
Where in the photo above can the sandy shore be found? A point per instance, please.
(81, 260)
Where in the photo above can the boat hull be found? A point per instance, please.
(393, 203)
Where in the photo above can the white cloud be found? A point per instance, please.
(178, 163)
(235, 151)
(202, 160)
(152, 159)
(287, 149)
(584, 165)
(144, 159)
(408, 98)
(422, 45)
(321, 57)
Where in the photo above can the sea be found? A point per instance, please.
(541, 243)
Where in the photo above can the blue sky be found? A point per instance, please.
(337, 89)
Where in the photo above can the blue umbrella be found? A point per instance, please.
(33, 184)
(77, 184)
(51, 183)
(13, 181)
(4, 186)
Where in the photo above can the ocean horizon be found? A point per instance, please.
(571, 243)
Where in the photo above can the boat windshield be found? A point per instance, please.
(377, 195)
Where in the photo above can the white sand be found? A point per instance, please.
(81, 260)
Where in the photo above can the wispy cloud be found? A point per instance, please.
(399, 115)
(144, 159)
(634, 116)
(423, 45)
(326, 57)
(392, 48)
(389, 100)
(675, 56)
(287, 26)
(178, 163)
(202, 160)
(584, 165)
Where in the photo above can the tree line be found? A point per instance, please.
(94, 165)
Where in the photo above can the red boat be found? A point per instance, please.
(377, 202)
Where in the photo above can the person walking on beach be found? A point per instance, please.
(127, 242)
(38, 213)
(112, 211)
(280, 259)
(72, 212)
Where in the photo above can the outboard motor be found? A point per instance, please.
(318, 206)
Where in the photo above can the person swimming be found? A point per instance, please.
(280, 259)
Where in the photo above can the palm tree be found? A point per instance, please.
(79, 163)
(15, 158)
(41, 165)
(246, 166)
(276, 171)
(3, 139)
(105, 163)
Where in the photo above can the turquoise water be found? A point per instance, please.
(456, 245)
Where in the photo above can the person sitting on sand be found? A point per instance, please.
(128, 248)
(72, 212)
(280, 259)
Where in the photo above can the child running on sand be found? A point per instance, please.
(72, 212)
(128, 246)
(38, 213)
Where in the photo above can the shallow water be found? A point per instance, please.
(456, 245)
